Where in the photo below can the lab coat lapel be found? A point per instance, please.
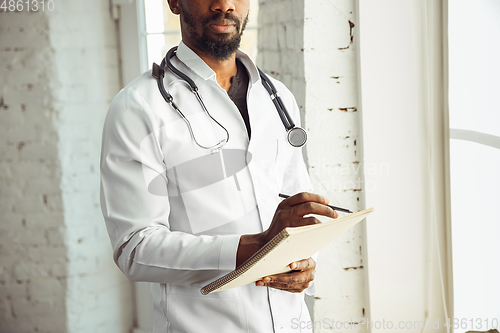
(264, 122)
(194, 62)
(263, 149)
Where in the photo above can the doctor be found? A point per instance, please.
(188, 194)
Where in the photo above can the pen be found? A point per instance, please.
(332, 207)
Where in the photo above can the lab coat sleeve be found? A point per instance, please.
(296, 178)
(144, 247)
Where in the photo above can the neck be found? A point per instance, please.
(224, 69)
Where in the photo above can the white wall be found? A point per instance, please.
(334, 154)
(312, 48)
(86, 79)
(33, 253)
(59, 73)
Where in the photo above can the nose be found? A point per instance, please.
(222, 6)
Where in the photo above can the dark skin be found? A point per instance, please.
(291, 211)
(201, 9)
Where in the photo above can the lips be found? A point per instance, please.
(223, 29)
(222, 26)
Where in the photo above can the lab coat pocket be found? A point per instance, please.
(217, 312)
(213, 206)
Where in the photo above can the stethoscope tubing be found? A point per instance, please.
(278, 103)
(159, 72)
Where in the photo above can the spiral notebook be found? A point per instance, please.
(291, 244)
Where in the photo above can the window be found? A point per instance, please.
(474, 71)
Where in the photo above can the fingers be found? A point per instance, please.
(291, 212)
(308, 203)
(291, 282)
(305, 197)
(296, 281)
(295, 288)
(314, 208)
(303, 265)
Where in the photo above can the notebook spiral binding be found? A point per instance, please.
(247, 264)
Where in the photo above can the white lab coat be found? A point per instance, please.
(175, 212)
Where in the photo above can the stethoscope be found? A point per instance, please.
(296, 136)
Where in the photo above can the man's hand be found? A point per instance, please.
(290, 213)
(294, 282)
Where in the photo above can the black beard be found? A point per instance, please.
(224, 46)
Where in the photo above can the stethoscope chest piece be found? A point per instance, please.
(297, 136)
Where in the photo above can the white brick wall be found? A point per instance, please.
(311, 47)
(281, 43)
(58, 75)
(33, 253)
